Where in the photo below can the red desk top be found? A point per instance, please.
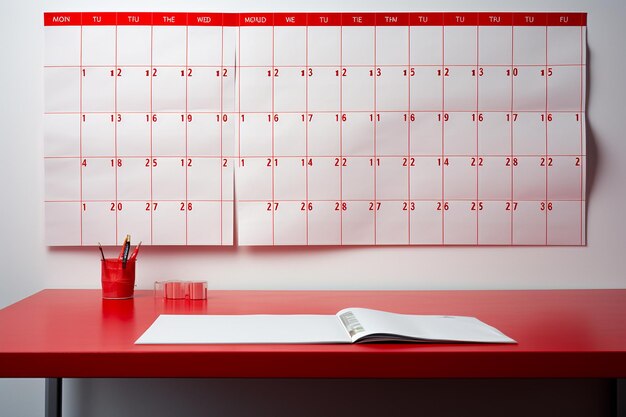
(74, 333)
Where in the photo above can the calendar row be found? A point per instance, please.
(521, 178)
(398, 88)
(411, 222)
(318, 223)
(314, 134)
(150, 222)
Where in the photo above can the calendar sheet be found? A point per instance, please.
(315, 128)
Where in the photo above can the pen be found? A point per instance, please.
(135, 252)
(121, 255)
(126, 249)
(101, 251)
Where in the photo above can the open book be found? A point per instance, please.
(350, 325)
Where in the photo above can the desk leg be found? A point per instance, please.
(54, 397)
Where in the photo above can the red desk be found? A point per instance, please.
(74, 333)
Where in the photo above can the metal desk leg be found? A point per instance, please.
(54, 397)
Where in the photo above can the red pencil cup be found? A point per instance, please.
(118, 282)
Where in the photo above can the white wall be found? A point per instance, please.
(29, 266)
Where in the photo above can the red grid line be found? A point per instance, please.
(375, 124)
(151, 136)
(409, 135)
(186, 135)
(477, 122)
(443, 132)
(80, 135)
(511, 121)
(546, 127)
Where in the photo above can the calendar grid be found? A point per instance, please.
(470, 138)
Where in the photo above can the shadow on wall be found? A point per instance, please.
(337, 397)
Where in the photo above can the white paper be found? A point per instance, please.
(212, 329)
(375, 325)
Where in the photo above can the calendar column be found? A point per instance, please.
(426, 128)
(291, 116)
(565, 139)
(494, 160)
(62, 129)
(324, 128)
(207, 177)
(529, 129)
(392, 160)
(98, 127)
(460, 121)
(358, 161)
(254, 185)
(170, 121)
(134, 161)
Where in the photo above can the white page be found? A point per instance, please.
(363, 322)
(212, 329)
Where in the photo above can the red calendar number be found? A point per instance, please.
(117, 162)
(406, 206)
(374, 205)
(445, 72)
(443, 161)
(305, 72)
(118, 72)
(476, 206)
(270, 206)
(408, 162)
(189, 72)
(476, 162)
(543, 161)
(152, 206)
(442, 205)
(188, 206)
(480, 72)
(511, 206)
(513, 72)
(308, 162)
(154, 72)
(150, 163)
(543, 206)
(306, 206)
(224, 72)
(117, 206)
(511, 161)
(410, 72)
(274, 72)
(343, 161)
(343, 206)
(189, 162)
(547, 71)
(343, 72)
